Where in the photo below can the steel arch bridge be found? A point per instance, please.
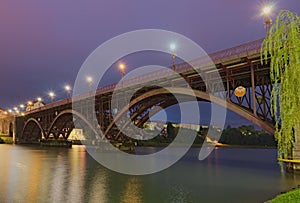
(236, 66)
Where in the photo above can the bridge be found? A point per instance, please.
(237, 66)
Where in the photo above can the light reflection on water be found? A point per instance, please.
(36, 174)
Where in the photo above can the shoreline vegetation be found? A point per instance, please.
(292, 195)
(240, 137)
(5, 139)
(213, 145)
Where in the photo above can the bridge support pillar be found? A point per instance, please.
(18, 128)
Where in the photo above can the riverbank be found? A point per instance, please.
(155, 144)
(290, 196)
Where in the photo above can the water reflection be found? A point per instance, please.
(132, 191)
(34, 174)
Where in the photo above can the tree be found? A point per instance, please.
(282, 46)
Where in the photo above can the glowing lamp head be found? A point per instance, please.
(267, 10)
(29, 103)
(121, 66)
(22, 106)
(172, 47)
(39, 99)
(51, 94)
(89, 79)
(68, 88)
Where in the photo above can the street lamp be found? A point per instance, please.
(266, 10)
(172, 49)
(51, 95)
(89, 80)
(22, 106)
(68, 90)
(39, 99)
(122, 67)
(29, 105)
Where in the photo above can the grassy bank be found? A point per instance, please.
(292, 196)
(5, 139)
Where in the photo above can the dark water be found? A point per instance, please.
(34, 174)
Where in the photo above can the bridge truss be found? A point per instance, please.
(237, 66)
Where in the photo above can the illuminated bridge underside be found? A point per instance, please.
(237, 66)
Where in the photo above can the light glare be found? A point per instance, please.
(267, 10)
(121, 66)
(67, 88)
(172, 47)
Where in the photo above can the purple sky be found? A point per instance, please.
(43, 43)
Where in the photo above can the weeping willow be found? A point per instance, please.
(282, 47)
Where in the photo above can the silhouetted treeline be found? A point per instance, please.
(243, 135)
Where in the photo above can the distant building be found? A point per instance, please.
(76, 134)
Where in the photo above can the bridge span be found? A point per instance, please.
(237, 66)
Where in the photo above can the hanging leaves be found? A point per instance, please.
(282, 46)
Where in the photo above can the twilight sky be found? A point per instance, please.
(43, 43)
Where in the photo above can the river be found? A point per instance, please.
(39, 174)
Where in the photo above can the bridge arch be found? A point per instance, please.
(200, 95)
(71, 112)
(35, 133)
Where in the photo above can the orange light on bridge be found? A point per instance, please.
(240, 91)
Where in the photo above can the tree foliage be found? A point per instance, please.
(282, 46)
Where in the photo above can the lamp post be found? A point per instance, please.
(122, 67)
(89, 80)
(267, 13)
(68, 90)
(51, 95)
(22, 106)
(172, 49)
(29, 105)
